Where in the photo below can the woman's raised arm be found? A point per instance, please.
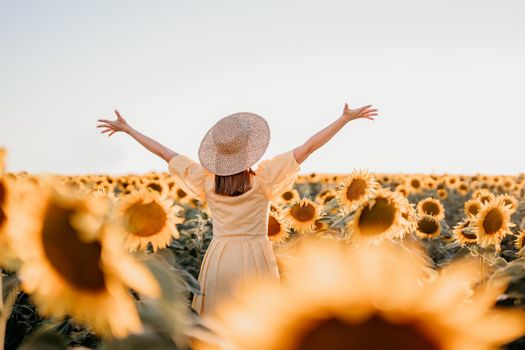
(113, 126)
(320, 138)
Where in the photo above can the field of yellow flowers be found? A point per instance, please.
(367, 261)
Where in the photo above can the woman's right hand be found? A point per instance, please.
(112, 126)
(358, 113)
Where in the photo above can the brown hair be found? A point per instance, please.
(233, 185)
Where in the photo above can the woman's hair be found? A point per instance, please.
(233, 185)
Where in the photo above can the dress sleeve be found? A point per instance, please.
(278, 174)
(188, 174)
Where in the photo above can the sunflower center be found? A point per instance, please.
(468, 235)
(415, 183)
(493, 221)
(375, 333)
(287, 195)
(484, 199)
(155, 187)
(76, 261)
(356, 189)
(474, 208)
(303, 213)
(144, 219)
(274, 227)
(328, 198)
(427, 226)
(378, 219)
(431, 208)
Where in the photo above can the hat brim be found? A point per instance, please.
(229, 164)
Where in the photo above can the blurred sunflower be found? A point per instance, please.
(483, 195)
(179, 195)
(99, 193)
(156, 185)
(313, 177)
(429, 183)
(356, 189)
(325, 196)
(301, 215)
(402, 189)
(74, 264)
(414, 183)
(472, 207)
(463, 233)
(148, 218)
(462, 188)
(288, 197)
(274, 206)
(277, 232)
(492, 222)
(379, 218)
(519, 243)
(389, 299)
(428, 227)
(442, 194)
(7, 207)
(431, 206)
(510, 200)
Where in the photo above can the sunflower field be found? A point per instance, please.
(367, 261)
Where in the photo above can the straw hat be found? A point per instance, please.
(234, 143)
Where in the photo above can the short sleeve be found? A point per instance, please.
(188, 174)
(278, 174)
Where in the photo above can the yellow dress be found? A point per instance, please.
(240, 248)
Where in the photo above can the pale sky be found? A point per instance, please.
(448, 78)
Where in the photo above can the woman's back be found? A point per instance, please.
(240, 248)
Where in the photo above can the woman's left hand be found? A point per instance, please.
(112, 126)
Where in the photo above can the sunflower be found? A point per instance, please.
(483, 195)
(431, 206)
(148, 218)
(380, 217)
(442, 193)
(414, 183)
(312, 177)
(73, 261)
(510, 200)
(463, 233)
(301, 215)
(7, 204)
(462, 188)
(519, 243)
(508, 184)
(474, 185)
(472, 207)
(178, 195)
(356, 189)
(100, 193)
(277, 232)
(402, 189)
(325, 196)
(389, 299)
(452, 181)
(157, 186)
(429, 183)
(288, 197)
(492, 222)
(428, 227)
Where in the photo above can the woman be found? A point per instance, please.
(238, 197)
